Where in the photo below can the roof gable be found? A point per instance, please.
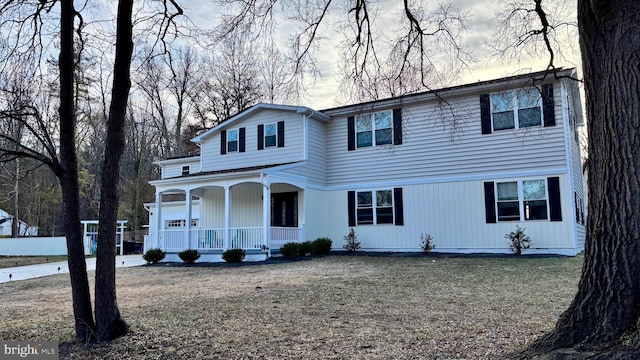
(256, 108)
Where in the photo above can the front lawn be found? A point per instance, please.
(335, 307)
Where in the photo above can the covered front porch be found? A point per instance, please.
(251, 213)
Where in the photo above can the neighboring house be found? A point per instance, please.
(465, 164)
(6, 223)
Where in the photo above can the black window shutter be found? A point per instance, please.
(397, 126)
(548, 110)
(397, 206)
(241, 139)
(223, 142)
(351, 201)
(555, 210)
(485, 113)
(260, 137)
(351, 130)
(280, 133)
(489, 202)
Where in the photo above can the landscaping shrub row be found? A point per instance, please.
(320, 246)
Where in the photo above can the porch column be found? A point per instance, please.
(158, 219)
(188, 224)
(302, 215)
(227, 217)
(266, 217)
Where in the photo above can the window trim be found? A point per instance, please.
(515, 108)
(237, 141)
(373, 130)
(264, 139)
(521, 200)
(186, 170)
(374, 207)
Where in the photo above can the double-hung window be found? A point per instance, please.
(522, 200)
(232, 140)
(378, 212)
(516, 109)
(270, 135)
(374, 129)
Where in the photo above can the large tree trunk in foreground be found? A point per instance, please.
(604, 313)
(109, 323)
(67, 173)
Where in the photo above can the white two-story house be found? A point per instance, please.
(465, 164)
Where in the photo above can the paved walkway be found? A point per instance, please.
(61, 267)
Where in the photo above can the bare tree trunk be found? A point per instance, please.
(67, 172)
(109, 323)
(605, 311)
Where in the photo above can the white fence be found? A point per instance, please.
(35, 246)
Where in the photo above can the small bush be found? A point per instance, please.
(323, 245)
(426, 243)
(351, 238)
(154, 256)
(518, 240)
(290, 249)
(234, 255)
(308, 248)
(189, 256)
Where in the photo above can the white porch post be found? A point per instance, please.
(188, 224)
(266, 217)
(227, 217)
(158, 219)
(302, 216)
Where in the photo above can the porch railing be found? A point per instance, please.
(248, 238)
(283, 235)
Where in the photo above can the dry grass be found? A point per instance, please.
(338, 307)
(11, 261)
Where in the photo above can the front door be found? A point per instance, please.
(284, 209)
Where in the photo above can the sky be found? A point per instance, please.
(481, 25)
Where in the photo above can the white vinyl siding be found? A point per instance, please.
(315, 168)
(437, 143)
(452, 213)
(292, 151)
(175, 170)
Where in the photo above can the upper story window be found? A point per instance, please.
(271, 135)
(516, 109)
(232, 140)
(185, 170)
(376, 128)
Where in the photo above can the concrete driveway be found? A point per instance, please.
(61, 267)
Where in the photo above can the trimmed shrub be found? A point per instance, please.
(518, 240)
(323, 245)
(351, 238)
(234, 255)
(308, 248)
(290, 249)
(154, 256)
(189, 256)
